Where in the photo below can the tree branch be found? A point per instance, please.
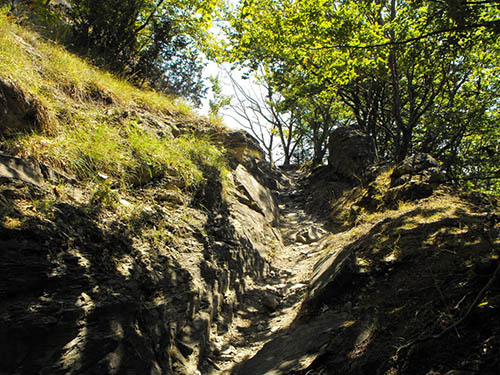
(150, 17)
(487, 24)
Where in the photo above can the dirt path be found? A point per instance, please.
(270, 307)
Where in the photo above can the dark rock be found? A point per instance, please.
(415, 178)
(284, 353)
(184, 348)
(20, 169)
(270, 301)
(420, 167)
(333, 274)
(269, 176)
(415, 164)
(351, 151)
(485, 266)
(20, 111)
(408, 192)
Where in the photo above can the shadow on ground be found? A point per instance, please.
(84, 293)
(384, 302)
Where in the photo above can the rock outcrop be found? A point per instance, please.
(350, 152)
(422, 167)
(415, 177)
(87, 293)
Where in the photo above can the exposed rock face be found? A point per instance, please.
(241, 147)
(334, 274)
(84, 294)
(258, 196)
(19, 111)
(350, 152)
(241, 143)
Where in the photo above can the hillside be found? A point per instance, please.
(138, 238)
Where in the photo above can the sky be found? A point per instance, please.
(230, 115)
(227, 114)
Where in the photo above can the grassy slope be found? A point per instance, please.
(93, 123)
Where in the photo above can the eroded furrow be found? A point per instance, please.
(269, 308)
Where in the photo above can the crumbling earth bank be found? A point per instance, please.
(90, 291)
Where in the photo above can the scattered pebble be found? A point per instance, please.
(270, 301)
(296, 287)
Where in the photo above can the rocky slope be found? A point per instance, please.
(256, 278)
(407, 281)
(88, 291)
(136, 238)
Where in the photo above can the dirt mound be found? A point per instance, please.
(420, 280)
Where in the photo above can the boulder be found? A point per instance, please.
(351, 152)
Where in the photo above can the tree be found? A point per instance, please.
(250, 111)
(391, 63)
(286, 38)
(149, 40)
(259, 110)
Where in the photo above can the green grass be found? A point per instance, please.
(128, 154)
(88, 130)
(55, 75)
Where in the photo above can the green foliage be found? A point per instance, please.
(103, 196)
(156, 41)
(66, 83)
(219, 100)
(416, 76)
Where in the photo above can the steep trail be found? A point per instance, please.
(270, 307)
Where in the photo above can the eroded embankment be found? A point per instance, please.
(140, 288)
(241, 279)
(408, 282)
